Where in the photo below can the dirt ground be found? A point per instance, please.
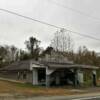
(17, 90)
(7, 87)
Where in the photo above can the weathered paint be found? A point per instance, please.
(35, 77)
(80, 77)
(49, 71)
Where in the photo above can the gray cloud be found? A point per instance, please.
(15, 30)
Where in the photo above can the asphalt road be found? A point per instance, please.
(87, 98)
(95, 96)
(54, 98)
(66, 98)
(76, 98)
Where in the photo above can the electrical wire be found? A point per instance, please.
(74, 10)
(45, 23)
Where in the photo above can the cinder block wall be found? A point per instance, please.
(14, 76)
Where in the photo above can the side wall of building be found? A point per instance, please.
(88, 80)
(16, 75)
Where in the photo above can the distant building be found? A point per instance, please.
(50, 72)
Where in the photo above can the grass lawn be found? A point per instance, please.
(30, 90)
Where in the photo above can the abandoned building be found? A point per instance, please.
(50, 73)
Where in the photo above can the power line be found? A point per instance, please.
(84, 35)
(26, 17)
(74, 10)
(45, 23)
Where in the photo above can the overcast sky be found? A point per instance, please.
(15, 30)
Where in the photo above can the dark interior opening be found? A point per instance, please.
(41, 76)
(66, 77)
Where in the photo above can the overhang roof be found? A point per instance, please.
(25, 65)
(19, 65)
(72, 66)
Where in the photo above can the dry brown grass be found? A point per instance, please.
(29, 90)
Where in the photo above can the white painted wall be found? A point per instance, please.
(35, 76)
(80, 77)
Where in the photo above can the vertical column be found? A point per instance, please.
(35, 76)
(47, 80)
(80, 78)
(48, 76)
(75, 78)
(57, 79)
(94, 77)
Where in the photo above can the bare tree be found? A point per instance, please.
(13, 50)
(62, 41)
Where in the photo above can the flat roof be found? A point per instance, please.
(25, 65)
(72, 66)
